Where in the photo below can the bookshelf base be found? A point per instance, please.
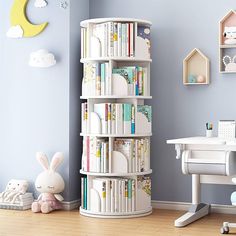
(119, 215)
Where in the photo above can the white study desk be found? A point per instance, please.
(208, 160)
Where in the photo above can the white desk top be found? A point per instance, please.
(202, 140)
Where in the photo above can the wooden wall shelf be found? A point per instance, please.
(196, 68)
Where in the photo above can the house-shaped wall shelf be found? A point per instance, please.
(196, 68)
(229, 20)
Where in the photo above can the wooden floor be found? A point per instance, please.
(72, 223)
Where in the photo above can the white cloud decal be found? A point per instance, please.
(40, 3)
(15, 32)
(42, 58)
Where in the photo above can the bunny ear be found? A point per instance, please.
(56, 161)
(43, 160)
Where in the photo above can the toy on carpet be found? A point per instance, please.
(15, 195)
(50, 184)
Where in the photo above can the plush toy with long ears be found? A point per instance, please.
(50, 184)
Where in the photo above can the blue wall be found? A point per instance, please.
(40, 108)
(180, 111)
(36, 104)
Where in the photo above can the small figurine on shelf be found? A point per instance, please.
(192, 79)
(230, 64)
(49, 183)
(230, 35)
(201, 79)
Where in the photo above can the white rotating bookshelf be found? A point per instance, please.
(116, 124)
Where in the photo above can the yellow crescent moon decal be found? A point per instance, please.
(18, 17)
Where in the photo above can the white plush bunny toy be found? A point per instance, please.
(49, 183)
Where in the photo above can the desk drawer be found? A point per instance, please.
(209, 162)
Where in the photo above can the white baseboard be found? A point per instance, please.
(68, 206)
(184, 206)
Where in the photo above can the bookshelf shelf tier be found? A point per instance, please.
(105, 20)
(117, 135)
(115, 97)
(115, 174)
(116, 214)
(115, 53)
(123, 59)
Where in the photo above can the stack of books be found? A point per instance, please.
(114, 195)
(116, 118)
(95, 157)
(137, 152)
(116, 39)
(136, 77)
(97, 79)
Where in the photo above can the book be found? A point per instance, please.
(108, 195)
(113, 118)
(144, 33)
(119, 118)
(103, 77)
(98, 79)
(123, 39)
(111, 38)
(112, 187)
(116, 195)
(115, 39)
(89, 80)
(133, 119)
(131, 40)
(82, 192)
(119, 40)
(84, 120)
(127, 118)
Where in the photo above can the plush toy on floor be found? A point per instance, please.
(50, 184)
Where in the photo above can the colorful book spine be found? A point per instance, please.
(113, 118)
(123, 40)
(127, 118)
(103, 77)
(129, 195)
(106, 39)
(82, 192)
(85, 193)
(133, 119)
(115, 39)
(111, 26)
(98, 79)
(112, 187)
(119, 40)
(140, 80)
(109, 122)
(127, 39)
(98, 157)
(131, 41)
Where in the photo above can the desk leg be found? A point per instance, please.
(197, 209)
